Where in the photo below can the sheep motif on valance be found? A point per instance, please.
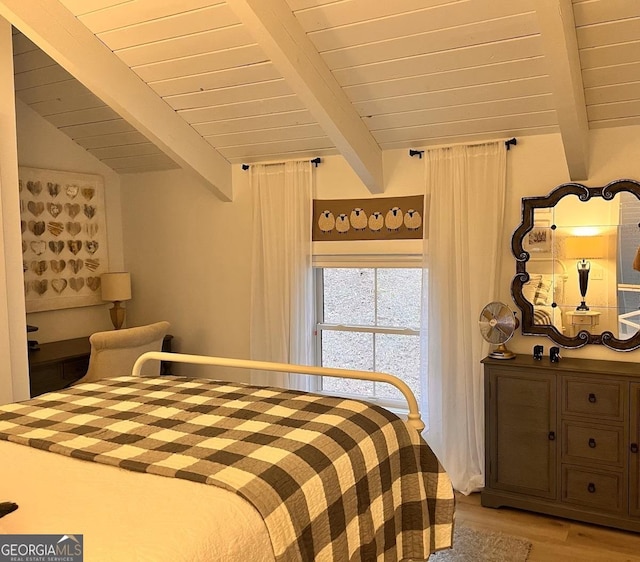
(380, 218)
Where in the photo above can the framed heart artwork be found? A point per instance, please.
(64, 238)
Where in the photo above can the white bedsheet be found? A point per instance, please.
(127, 516)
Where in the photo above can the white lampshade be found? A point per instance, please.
(116, 286)
(585, 247)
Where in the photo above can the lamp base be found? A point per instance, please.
(117, 313)
(582, 306)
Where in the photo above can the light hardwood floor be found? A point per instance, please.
(553, 539)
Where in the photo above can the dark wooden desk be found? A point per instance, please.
(58, 364)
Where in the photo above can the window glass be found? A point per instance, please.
(347, 350)
(349, 296)
(399, 356)
(398, 292)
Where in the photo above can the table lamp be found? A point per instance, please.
(581, 248)
(116, 287)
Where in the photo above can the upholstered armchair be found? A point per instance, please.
(113, 353)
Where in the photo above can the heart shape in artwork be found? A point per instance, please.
(37, 227)
(91, 246)
(75, 265)
(56, 228)
(92, 263)
(38, 247)
(91, 229)
(76, 283)
(54, 189)
(36, 208)
(89, 211)
(73, 228)
(74, 246)
(54, 209)
(93, 283)
(59, 285)
(58, 265)
(72, 191)
(72, 209)
(40, 286)
(56, 246)
(23, 225)
(35, 187)
(39, 267)
(88, 193)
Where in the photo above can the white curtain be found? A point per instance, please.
(466, 185)
(282, 283)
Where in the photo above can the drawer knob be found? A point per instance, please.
(552, 436)
(592, 398)
(634, 447)
(592, 443)
(591, 487)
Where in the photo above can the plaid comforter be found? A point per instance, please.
(333, 479)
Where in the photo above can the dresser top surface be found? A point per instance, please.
(568, 365)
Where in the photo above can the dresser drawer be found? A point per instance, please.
(590, 397)
(598, 490)
(591, 443)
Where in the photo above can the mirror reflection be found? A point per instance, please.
(576, 279)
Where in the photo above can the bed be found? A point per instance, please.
(177, 468)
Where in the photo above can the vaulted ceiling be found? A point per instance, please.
(201, 84)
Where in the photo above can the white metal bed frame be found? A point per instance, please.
(413, 418)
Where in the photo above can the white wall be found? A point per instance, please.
(190, 254)
(41, 145)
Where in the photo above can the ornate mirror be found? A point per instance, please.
(576, 256)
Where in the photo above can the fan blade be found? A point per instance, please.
(486, 314)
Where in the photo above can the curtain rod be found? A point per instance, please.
(315, 161)
(420, 153)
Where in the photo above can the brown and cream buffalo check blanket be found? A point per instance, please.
(333, 479)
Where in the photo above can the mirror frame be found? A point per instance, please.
(529, 204)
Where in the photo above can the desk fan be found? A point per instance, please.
(497, 325)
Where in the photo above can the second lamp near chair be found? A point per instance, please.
(116, 288)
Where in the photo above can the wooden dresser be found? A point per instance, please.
(562, 438)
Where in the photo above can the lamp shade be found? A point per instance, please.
(585, 247)
(116, 286)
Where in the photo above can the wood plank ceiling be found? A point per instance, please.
(415, 72)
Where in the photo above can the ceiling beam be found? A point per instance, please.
(557, 26)
(277, 31)
(68, 41)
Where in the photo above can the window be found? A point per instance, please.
(369, 319)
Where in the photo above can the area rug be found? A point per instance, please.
(470, 545)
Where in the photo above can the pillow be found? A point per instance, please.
(544, 292)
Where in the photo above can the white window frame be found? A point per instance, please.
(398, 261)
